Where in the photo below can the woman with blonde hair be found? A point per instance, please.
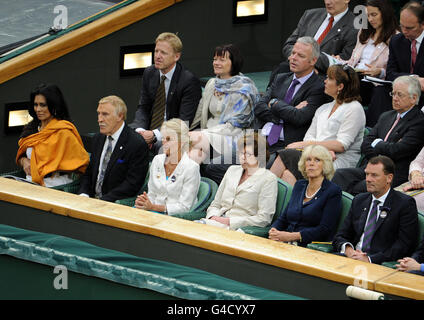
(174, 178)
(314, 208)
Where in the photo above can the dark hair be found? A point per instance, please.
(259, 144)
(55, 103)
(388, 164)
(235, 57)
(390, 23)
(345, 74)
(416, 8)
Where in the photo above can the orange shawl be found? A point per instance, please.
(58, 147)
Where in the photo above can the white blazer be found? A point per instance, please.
(250, 204)
(179, 192)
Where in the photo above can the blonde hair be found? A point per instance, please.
(181, 129)
(172, 39)
(321, 153)
(117, 103)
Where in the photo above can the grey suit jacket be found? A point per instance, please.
(339, 41)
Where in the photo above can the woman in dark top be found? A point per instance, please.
(314, 208)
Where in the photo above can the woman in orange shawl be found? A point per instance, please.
(50, 147)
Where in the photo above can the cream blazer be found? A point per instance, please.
(250, 204)
(179, 192)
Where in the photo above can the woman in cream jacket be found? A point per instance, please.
(248, 192)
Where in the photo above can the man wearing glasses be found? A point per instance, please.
(406, 56)
(398, 134)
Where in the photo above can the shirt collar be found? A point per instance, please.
(303, 79)
(420, 38)
(337, 17)
(404, 113)
(169, 74)
(382, 199)
(116, 135)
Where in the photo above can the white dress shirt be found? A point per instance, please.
(382, 199)
(115, 138)
(266, 129)
(325, 23)
(168, 78)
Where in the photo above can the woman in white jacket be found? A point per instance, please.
(174, 178)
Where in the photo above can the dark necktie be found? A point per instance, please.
(105, 162)
(326, 31)
(413, 54)
(274, 134)
(370, 227)
(159, 105)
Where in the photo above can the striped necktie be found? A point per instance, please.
(105, 162)
(274, 134)
(159, 105)
(413, 54)
(370, 227)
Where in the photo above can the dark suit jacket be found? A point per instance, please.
(403, 144)
(395, 236)
(182, 100)
(339, 41)
(127, 168)
(317, 219)
(296, 121)
(399, 63)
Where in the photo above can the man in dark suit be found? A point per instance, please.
(382, 224)
(406, 57)
(294, 113)
(398, 134)
(119, 158)
(332, 27)
(168, 90)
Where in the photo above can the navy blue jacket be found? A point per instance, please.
(317, 219)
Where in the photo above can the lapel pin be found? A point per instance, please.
(173, 179)
(384, 211)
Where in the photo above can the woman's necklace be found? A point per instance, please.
(310, 197)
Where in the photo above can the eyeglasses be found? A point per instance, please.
(397, 93)
(246, 154)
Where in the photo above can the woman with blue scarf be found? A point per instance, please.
(226, 107)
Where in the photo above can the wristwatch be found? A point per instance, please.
(272, 101)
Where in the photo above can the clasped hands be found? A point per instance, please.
(222, 220)
(283, 236)
(408, 264)
(356, 254)
(416, 182)
(143, 202)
